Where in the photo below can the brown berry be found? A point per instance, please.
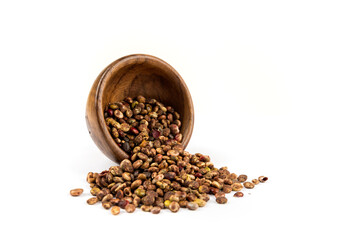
(249, 185)
(238, 194)
(115, 210)
(263, 179)
(76, 192)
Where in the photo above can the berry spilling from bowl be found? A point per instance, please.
(159, 173)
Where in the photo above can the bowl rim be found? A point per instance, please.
(105, 78)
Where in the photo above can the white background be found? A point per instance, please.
(275, 85)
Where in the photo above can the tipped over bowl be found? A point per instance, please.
(130, 76)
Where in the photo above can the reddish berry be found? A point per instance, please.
(134, 130)
(122, 204)
(199, 175)
(155, 134)
(110, 112)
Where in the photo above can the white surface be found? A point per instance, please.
(275, 86)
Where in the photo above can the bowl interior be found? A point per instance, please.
(151, 77)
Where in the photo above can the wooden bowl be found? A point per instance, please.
(135, 75)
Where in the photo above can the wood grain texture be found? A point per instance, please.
(134, 75)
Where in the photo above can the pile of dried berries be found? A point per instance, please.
(159, 173)
(144, 123)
